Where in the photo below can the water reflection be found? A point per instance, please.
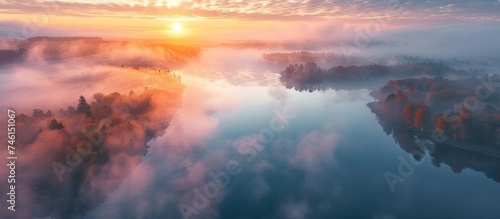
(456, 159)
(326, 160)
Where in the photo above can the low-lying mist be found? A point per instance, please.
(62, 70)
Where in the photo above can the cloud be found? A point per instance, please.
(313, 24)
(448, 9)
(115, 149)
(111, 67)
(259, 188)
(384, 216)
(177, 163)
(278, 93)
(314, 149)
(133, 119)
(236, 68)
(295, 210)
(196, 123)
(333, 97)
(441, 41)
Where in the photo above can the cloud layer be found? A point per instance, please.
(264, 10)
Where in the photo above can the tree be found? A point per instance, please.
(440, 126)
(98, 97)
(400, 96)
(388, 104)
(420, 117)
(83, 107)
(55, 125)
(408, 112)
(461, 132)
(38, 113)
(411, 91)
(485, 133)
(49, 113)
(390, 97)
(70, 110)
(421, 104)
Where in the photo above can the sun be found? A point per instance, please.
(177, 27)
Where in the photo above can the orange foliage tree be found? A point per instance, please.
(408, 112)
(420, 117)
(440, 126)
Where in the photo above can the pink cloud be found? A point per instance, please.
(295, 210)
(313, 149)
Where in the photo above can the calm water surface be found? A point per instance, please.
(327, 160)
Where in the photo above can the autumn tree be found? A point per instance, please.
(421, 104)
(83, 107)
(420, 118)
(408, 112)
(411, 91)
(440, 126)
(401, 100)
(400, 96)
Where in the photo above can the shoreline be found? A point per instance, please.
(468, 146)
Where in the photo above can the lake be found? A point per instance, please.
(244, 146)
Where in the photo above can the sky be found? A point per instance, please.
(230, 96)
(234, 20)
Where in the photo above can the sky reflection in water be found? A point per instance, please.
(328, 162)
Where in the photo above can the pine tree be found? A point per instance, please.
(49, 113)
(83, 107)
(55, 125)
(38, 113)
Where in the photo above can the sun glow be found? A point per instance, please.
(177, 27)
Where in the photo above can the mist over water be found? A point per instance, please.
(327, 160)
(303, 109)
